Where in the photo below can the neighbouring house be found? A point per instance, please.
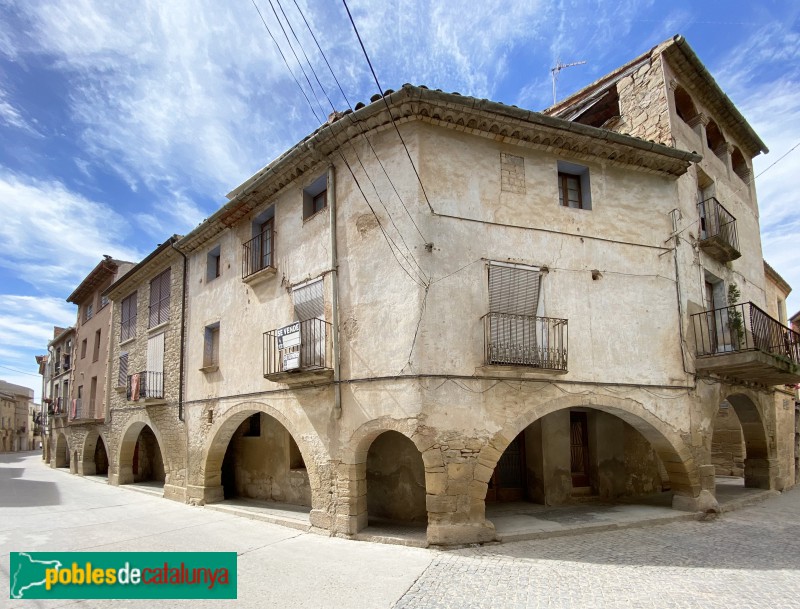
(15, 422)
(545, 307)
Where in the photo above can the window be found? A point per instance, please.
(96, 351)
(128, 318)
(88, 312)
(315, 197)
(103, 300)
(211, 347)
(684, 106)
(159, 299)
(122, 377)
(573, 186)
(83, 348)
(259, 252)
(213, 264)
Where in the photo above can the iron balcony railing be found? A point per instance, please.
(283, 352)
(716, 221)
(525, 340)
(743, 327)
(259, 253)
(59, 406)
(144, 385)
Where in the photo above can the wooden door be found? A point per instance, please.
(508, 480)
(579, 448)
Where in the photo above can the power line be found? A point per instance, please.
(420, 272)
(380, 92)
(388, 239)
(20, 371)
(352, 120)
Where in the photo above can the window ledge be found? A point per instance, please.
(121, 389)
(207, 369)
(315, 214)
(506, 371)
(160, 326)
(127, 341)
(260, 276)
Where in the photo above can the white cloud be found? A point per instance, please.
(53, 236)
(12, 116)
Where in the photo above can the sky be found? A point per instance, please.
(123, 123)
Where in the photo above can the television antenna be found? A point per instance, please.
(560, 66)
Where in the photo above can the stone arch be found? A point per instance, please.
(677, 458)
(122, 468)
(684, 105)
(760, 465)
(92, 442)
(352, 481)
(61, 455)
(395, 480)
(714, 137)
(739, 164)
(219, 438)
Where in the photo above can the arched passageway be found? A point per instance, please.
(141, 459)
(100, 458)
(262, 461)
(746, 441)
(62, 451)
(575, 453)
(95, 456)
(395, 476)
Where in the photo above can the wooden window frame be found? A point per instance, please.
(563, 189)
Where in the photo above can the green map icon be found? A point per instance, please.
(28, 573)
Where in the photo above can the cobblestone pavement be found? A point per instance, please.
(749, 558)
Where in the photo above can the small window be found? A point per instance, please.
(573, 186)
(211, 346)
(315, 197)
(253, 427)
(96, 351)
(122, 377)
(159, 299)
(739, 165)
(684, 106)
(213, 269)
(128, 318)
(88, 312)
(83, 348)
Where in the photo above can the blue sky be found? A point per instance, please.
(122, 123)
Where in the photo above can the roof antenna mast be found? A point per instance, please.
(560, 66)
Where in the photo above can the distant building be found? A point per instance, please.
(16, 403)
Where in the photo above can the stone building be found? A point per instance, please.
(57, 381)
(15, 421)
(544, 307)
(145, 433)
(84, 362)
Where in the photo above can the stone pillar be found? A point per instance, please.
(607, 446)
(556, 464)
(200, 495)
(761, 473)
(350, 502)
(708, 478)
(456, 482)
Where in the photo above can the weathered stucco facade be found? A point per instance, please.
(434, 370)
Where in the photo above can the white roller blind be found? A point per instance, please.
(309, 301)
(155, 353)
(513, 289)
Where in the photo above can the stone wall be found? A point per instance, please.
(395, 480)
(727, 448)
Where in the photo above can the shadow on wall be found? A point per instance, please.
(395, 481)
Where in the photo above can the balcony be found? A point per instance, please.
(298, 353)
(718, 236)
(525, 340)
(145, 385)
(742, 342)
(59, 406)
(258, 257)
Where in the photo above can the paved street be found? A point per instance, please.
(749, 558)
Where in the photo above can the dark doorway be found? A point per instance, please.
(100, 458)
(508, 480)
(579, 449)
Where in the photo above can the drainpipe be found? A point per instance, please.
(183, 332)
(337, 389)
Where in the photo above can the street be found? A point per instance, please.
(748, 558)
